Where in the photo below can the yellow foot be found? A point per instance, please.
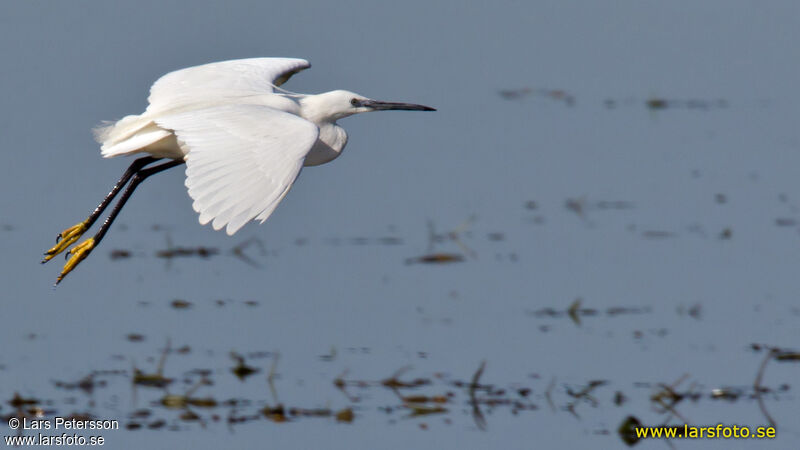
(76, 255)
(64, 240)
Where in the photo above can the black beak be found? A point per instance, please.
(392, 106)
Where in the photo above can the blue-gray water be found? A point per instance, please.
(684, 214)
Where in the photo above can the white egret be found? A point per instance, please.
(243, 139)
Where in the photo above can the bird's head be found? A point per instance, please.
(334, 105)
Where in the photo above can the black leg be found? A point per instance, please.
(134, 168)
(82, 250)
(73, 233)
(140, 176)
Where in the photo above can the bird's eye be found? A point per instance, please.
(355, 102)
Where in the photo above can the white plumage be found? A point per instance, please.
(263, 153)
(244, 142)
(240, 81)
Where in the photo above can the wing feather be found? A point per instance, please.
(216, 82)
(241, 161)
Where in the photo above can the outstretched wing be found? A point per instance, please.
(241, 161)
(220, 81)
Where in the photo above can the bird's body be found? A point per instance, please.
(142, 133)
(243, 139)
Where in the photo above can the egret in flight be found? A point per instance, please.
(243, 139)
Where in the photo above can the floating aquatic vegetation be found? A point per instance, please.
(455, 235)
(119, 253)
(18, 401)
(175, 401)
(330, 356)
(394, 382)
(619, 398)
(584, 395)
(345, 415)
(726, 393)
(276, 414)
(559, 95)
(238, 251)
(135, 337)
(436, 258)
(417, 398)
(694, 311)
(86, 384)
(477, 414)
(418, 410)
(659, 103)
(157, 379)
(184, 252)
(772, 353)
(581, 206)
(627, 430)
(242, 370)
(180, 304)
(667, 397)
(575, 311)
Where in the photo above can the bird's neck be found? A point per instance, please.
(319, 109)
(330, 143)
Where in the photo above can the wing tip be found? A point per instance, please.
(230, 230)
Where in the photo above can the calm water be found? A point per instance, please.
(640, 158)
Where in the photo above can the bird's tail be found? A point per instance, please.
(127, 135)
